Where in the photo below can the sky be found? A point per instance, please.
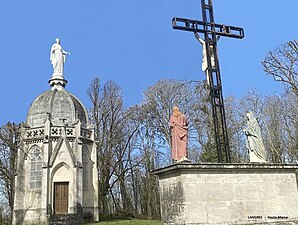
(132, 43)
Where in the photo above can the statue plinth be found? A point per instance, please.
(57, 81)
(213, 193)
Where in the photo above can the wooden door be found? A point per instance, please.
(61, 197)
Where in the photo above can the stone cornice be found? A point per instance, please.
(223, 167)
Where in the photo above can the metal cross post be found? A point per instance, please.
(211, 30)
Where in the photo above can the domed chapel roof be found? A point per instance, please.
(60, 105)
(57, 104)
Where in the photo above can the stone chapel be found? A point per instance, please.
(57, 164)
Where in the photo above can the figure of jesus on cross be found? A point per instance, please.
(204, 58)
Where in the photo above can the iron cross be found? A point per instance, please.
(211, 33)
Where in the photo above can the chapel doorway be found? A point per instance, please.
(61, 197)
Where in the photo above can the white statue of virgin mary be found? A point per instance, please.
(58, 57)
(254, 141)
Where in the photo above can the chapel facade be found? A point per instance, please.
(57, 163)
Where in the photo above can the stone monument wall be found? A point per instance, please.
(228, 193)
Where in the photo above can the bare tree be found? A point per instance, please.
(148, 143)
(289, 129)
(114, 136)
(282, 65)
(273, 126)
(105, 113)
(235, 124)
(9, 145)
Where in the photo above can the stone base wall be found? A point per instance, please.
(290, 222)
(228, 194)
(66, 219)
(30, 217)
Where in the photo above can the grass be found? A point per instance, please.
(127, 222)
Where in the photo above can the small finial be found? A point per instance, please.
(64, 121)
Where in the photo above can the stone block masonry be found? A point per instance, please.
(255, 193)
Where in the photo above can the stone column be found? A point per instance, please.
(95, 176)
(79, 169)
(18, 213)
(45, 201)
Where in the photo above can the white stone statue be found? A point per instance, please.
(58, 57)
(254, 141)
(204, 59)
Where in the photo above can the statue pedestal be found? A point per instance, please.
(205, 194)
(57, 81)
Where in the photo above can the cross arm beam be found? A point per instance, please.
(199, 26)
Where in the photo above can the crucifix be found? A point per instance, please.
(212, 32)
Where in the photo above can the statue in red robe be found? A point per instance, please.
(179, 132)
